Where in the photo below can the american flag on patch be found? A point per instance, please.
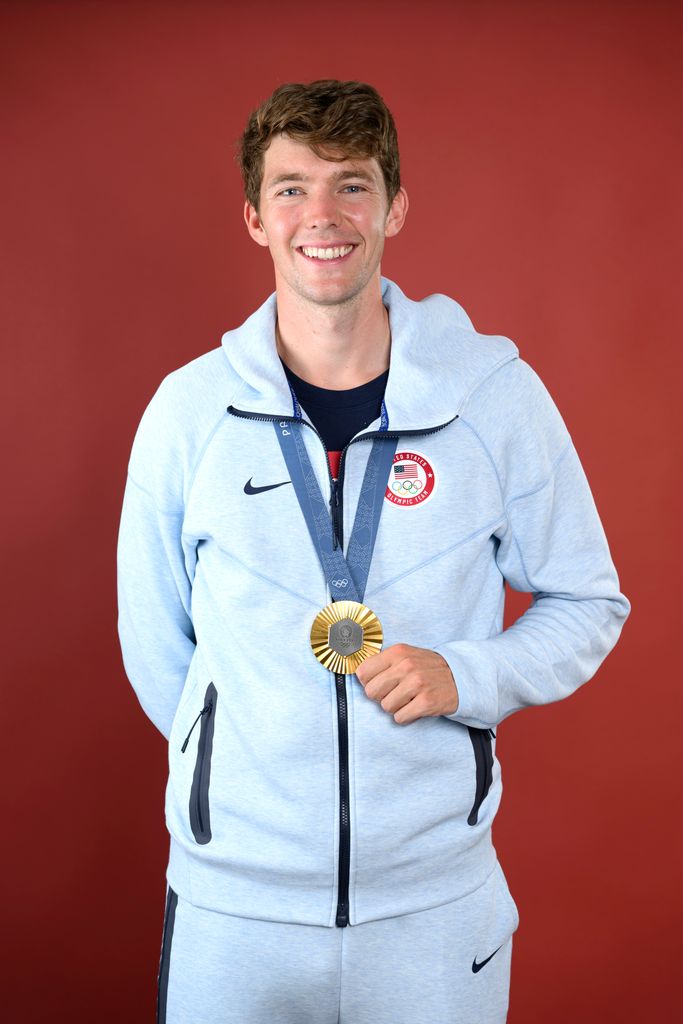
(406, 469)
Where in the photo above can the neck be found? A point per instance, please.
(337, 347)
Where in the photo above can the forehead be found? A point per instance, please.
(287, 157)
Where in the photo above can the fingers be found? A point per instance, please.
(392, 678)
(381, 673)
(409, 683)
(377, 663)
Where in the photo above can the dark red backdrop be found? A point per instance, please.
(539, 153)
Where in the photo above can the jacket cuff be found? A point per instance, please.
(475, 690)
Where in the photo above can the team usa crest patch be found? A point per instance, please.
(411, 480)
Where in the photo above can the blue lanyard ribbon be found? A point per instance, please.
(346, 577)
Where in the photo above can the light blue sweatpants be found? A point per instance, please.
(446, 965)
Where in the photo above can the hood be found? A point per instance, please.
(431, 340)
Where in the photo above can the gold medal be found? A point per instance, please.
(344, 634)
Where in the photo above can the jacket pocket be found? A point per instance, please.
(483, 759)
(200, 815)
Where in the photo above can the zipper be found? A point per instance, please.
(488, 749)
(336, 506)
(483, 760)
(342, 918)
(202, 761)
(199, 792)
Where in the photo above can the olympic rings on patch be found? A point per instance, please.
(407, 486)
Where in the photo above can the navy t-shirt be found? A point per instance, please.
(339, 415)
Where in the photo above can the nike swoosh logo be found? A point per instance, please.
(477, 967)
(248, 489)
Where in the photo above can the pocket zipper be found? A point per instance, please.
(199, 809)
(483, 758)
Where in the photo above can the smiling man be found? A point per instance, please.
(319, 521)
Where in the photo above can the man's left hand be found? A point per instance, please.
(409, 682)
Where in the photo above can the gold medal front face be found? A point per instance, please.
(344, 634)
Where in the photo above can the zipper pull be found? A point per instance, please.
(187, 738)
(342, 915)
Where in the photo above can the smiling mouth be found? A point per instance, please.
(329, 254)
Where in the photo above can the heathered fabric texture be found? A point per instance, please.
(218, 586)
(413, 969)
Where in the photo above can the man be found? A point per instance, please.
(318, 523)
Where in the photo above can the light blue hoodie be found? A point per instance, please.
(218, 589)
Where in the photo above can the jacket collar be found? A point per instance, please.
(436, 361)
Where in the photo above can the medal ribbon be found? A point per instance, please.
(346, 577)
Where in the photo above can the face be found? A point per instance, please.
(324, 222)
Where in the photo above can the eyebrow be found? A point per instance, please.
(338, 176)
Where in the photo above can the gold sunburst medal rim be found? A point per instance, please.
(334, 612)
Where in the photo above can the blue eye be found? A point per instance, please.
(359, 187)
(286, 190)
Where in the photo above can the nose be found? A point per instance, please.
(323, 211)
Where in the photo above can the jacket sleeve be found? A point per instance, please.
(154, 589)
(551, 543)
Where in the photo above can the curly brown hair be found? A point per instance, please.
(338, 120)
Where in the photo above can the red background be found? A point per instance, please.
(539, 151)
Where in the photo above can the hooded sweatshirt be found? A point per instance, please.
(292, 796)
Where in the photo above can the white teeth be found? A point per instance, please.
(326, 254)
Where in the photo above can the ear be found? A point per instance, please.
(397, 213)
(254, 224)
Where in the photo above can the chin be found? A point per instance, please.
(332, 298)
(332, 293)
